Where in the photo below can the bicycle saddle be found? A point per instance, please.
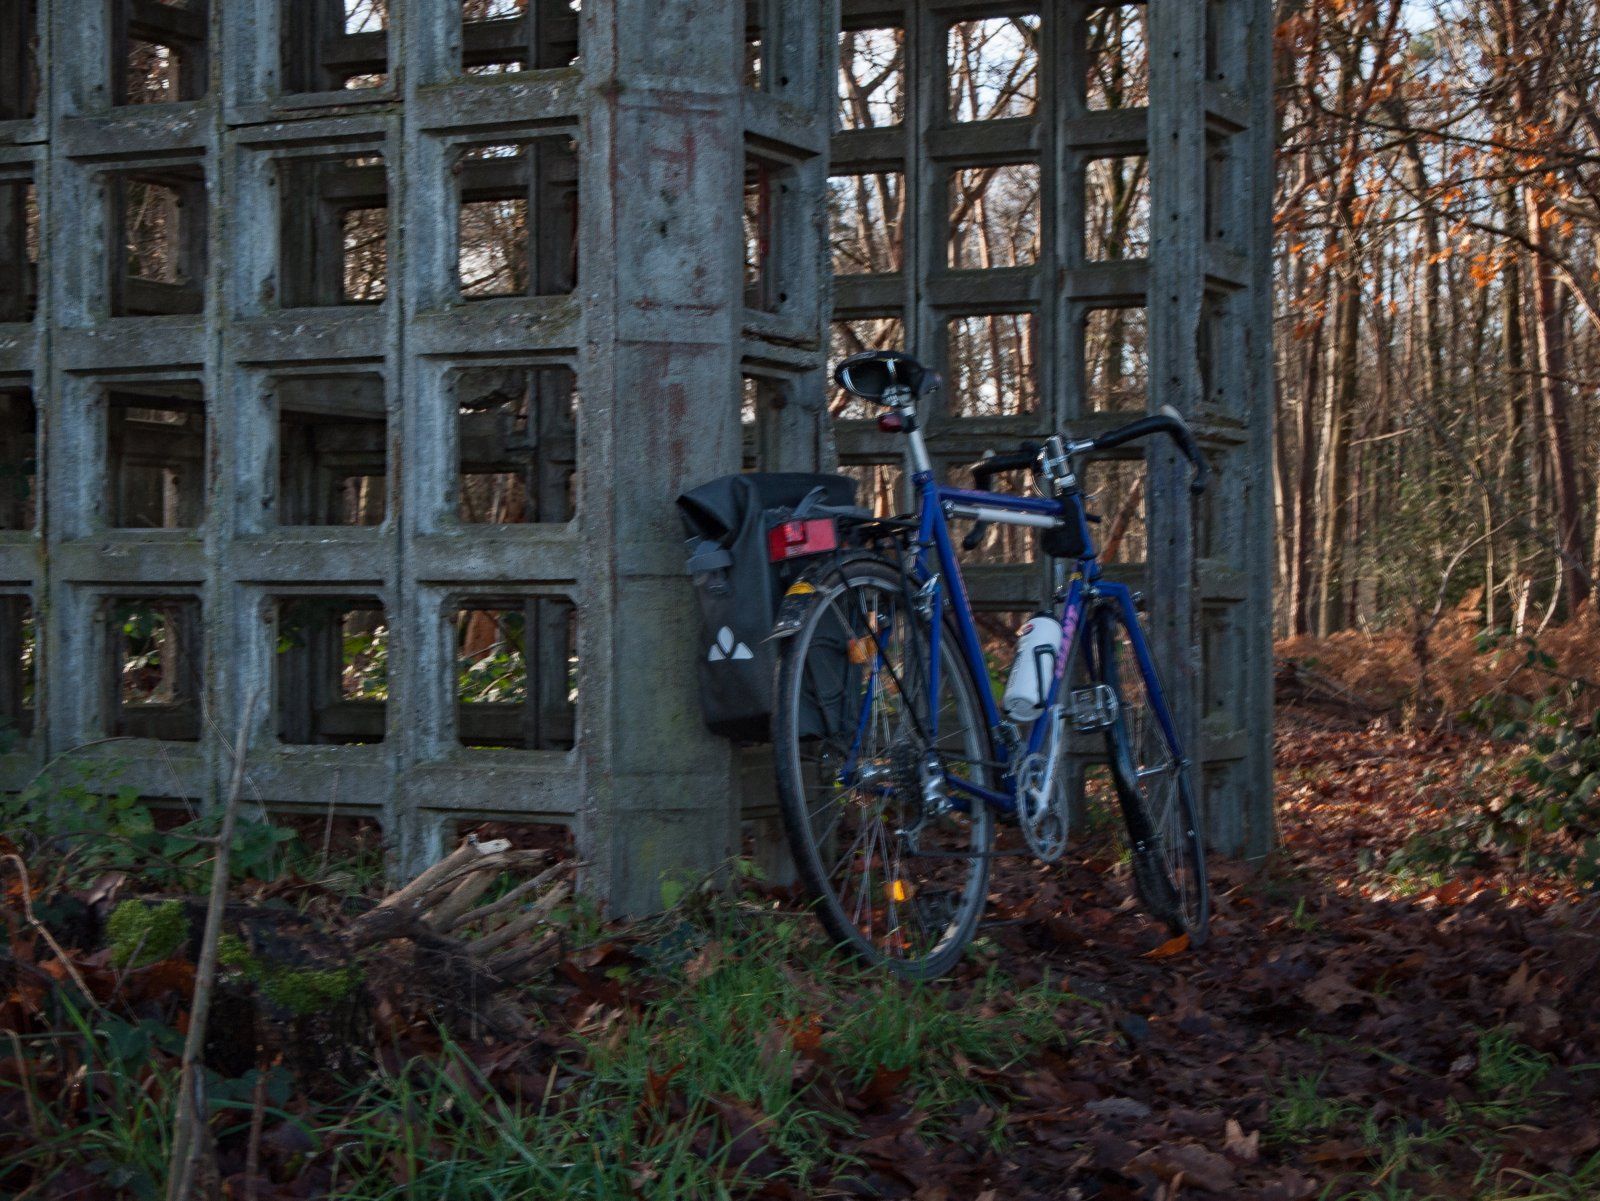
(871, 374)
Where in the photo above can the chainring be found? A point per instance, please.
(1045, 821)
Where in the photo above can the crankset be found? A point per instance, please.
(1042, 810)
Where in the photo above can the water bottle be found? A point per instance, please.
(1034, 668)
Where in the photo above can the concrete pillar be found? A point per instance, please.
(662, 289)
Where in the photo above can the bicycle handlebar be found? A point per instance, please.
(1027, 455)
(1169, 421)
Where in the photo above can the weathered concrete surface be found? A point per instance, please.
(260, 152)
(657, 333)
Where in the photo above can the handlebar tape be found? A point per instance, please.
(1174, 427)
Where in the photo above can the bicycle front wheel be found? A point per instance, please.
(898, 873)
(1155, 788)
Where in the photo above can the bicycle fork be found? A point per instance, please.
(1144, 841)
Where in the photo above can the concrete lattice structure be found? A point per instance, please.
(1203, 286)
(241, 451)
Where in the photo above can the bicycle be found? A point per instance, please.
(894, 761)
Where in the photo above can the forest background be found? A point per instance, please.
(1438, 305)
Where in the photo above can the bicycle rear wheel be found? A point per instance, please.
(1154, 786)
(857, 734)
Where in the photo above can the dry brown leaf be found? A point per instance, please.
(1173, 946)
(1331, 990)
(1246, 1148)
(1206, 1170)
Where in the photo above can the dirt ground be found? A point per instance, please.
(1346, 1032)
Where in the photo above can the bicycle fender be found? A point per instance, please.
(801, 595)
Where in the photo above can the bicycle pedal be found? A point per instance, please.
(1093, 708)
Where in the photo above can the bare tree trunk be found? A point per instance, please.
(1342, 391)
(1550, 345)
(1304, 492)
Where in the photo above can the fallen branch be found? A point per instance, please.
(475, 950)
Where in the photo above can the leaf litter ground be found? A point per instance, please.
(1356, 1027)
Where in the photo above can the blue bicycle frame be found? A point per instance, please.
(935, 561)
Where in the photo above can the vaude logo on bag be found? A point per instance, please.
(725, 648)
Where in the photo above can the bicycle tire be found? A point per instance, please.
(931, 905)
(1155, 789)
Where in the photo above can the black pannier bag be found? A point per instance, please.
(739, 590)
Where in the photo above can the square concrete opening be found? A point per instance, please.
(19, 59)
(154, 668)
(994, 364)
(333, 441)
(555, 837)
(19, 459)
(1117, 208)
(1117, 496)
(764, 189)
(755, 53)
(866, 214)
(334, 45)
(516, 435)
(1117, 57)
(516, 671)
(19, 249)
(159, 240)
(1221, 187)
(333, 230)
(517, 218)
(500, 37)
(156, 457)
(994, 216)
(1003, 544)
(17, 653)
(879, 486)
(872, 91)
(1116, 360)
(158, 50)
(993, 65)
(331, 682)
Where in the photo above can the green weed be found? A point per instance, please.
(1509, 1071)
(1302, 1112)
(733, 1073)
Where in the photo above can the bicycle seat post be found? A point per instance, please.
(903, 400)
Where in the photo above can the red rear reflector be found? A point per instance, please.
(891, 423)
(792, 539)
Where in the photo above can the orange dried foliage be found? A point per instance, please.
(1382, 669)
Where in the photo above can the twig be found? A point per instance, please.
(517, 961)
(258, 1120)
(327, 827)
(466, 855)
(461, 898)
(189, 1123)
(522, 923)
(506, 902)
